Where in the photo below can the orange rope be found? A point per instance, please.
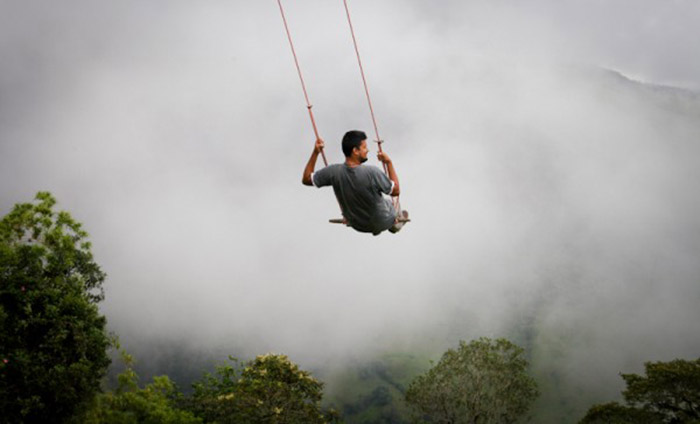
(301, 78)
(364, 80)
(369, 99)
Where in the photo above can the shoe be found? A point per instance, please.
(398, 225)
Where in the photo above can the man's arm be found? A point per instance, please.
(385, 159)
(311, 164)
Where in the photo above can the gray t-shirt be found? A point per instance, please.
(359, 192)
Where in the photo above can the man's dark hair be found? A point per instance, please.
(352, 139)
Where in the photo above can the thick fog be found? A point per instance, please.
(548, 153)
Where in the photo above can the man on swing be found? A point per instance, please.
(359, 188)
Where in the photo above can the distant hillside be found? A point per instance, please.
(373, 392)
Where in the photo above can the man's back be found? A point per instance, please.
(359, 191)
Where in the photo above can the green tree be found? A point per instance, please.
(668, 393)
(156, 403)
(52, 338)
(484, 381)
(614, 413)
(269, 389)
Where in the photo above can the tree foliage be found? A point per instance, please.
(52, 337)
(614, 413)
(668, 393)
(156, 403)
(268, 389)
(484, 381)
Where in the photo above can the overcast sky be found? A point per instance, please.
(550, 179)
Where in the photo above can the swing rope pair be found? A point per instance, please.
(309, 106)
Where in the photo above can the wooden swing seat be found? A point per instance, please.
(343, 221)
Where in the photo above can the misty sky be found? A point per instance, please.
(549, 167)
